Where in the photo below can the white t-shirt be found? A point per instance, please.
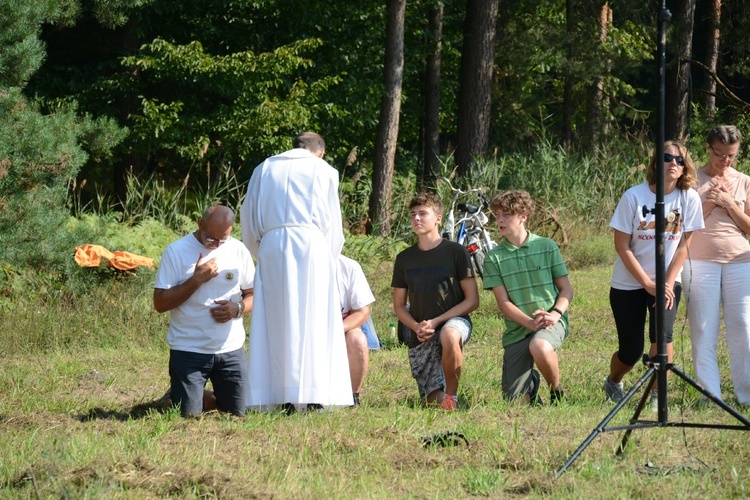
(354, 290)
(191, 327)
(683, 213)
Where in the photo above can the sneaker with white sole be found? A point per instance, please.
(615, 392)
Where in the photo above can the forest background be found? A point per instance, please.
(121, 120)
(101, 99)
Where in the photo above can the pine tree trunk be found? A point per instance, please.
(431, 137)
(475, 86)
(567, 122)
(390, 107)
(597, 108)
(678, 86)
(712, 55)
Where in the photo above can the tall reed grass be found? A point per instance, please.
(580, 189)
(152, 197)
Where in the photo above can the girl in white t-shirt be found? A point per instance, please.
(633, 288)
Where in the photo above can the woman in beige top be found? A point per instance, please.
(717, 272)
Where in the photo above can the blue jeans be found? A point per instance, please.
(189, 372)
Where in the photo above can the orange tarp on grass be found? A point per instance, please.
(92, 256)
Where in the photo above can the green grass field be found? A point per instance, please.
(78, 376)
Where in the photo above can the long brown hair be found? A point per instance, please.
(689, 177)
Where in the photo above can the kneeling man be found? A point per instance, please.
(205, 281)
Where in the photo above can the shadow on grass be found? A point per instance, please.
(140, 410)
(158, 406)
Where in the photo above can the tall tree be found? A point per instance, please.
(220, 84)
(567, 125)
(475, 92)
(597, 108)
(732, 75)
(40, 152)
(678, 85)
(712, 55)
(431, 135)
(390, 109)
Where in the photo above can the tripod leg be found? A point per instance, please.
(602, 425)
(714, 399)
(626, 436)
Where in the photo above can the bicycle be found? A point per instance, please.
(466, 224)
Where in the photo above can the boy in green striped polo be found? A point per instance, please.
(530, 282)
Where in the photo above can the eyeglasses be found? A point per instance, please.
(212, 241)
(679, 159)
(723, 157)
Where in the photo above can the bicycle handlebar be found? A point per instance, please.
(459, 191)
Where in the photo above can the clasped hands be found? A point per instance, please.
(650, 287)
(544, 320)
(425, 330)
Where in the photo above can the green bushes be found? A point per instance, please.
(575, 195)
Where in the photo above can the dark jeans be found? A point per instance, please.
(629, 308)
(190, 371)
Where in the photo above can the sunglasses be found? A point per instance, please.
(679, 159)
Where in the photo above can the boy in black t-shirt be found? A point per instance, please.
(437, 278)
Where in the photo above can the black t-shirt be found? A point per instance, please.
(432, 279)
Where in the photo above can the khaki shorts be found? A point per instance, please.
(518, 362)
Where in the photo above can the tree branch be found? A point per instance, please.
(734, 98)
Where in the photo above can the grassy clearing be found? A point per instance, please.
(79, 377)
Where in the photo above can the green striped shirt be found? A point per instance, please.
(527, 273)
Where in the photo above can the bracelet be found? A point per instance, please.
(558, 311)
(240, 309)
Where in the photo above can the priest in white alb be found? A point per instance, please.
(291, 223)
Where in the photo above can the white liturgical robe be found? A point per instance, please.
(291, 223)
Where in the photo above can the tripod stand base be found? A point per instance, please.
(652, 376)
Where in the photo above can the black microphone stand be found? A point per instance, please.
(658, 365)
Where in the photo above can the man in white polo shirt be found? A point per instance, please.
(205, 281)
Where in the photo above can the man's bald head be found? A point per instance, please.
(215, 227)
(219, 215)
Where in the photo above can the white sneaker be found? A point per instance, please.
(615, 392)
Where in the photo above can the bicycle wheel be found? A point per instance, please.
(478, 259)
